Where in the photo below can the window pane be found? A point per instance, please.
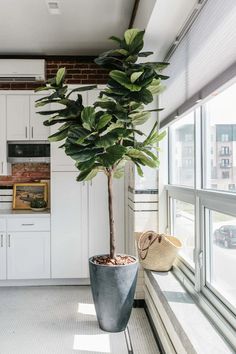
(222, 255)
(182, 151)
(221, 146)
(183, 228)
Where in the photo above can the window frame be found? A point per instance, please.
(203, 199)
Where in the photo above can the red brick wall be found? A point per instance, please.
(79, 71)
(26, 172)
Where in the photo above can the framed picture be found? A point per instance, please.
(24, 193)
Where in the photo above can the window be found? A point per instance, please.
(220, 122)
(202, 199)
(221, 251)
(182, 147)
(224, 137)
(224, 151)
(225, 174)
(225, 163)
(183, 228)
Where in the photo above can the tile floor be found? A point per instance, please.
(61, 320)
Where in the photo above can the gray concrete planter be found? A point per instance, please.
(113, 289)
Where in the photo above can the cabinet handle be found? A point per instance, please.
(32, 132)
(26, 132)
(1, 240)
(9, 240)
(2, 167)
(27, 224)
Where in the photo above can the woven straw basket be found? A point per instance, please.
(157, 251)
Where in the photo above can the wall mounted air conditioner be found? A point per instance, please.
(23, 70)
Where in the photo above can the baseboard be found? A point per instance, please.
(141, 303)
(44, 282)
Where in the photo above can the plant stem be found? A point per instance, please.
(111, 216)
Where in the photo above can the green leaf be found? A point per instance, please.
(116, 39)
(88, 117)
(130, 35)
(82, 166)
(139, 170)
(43, 88)
(113, 126)
(60, 76)
(81, 89)
(122, 79)
(87, 175)
(105, 104)
(135, 76)
(81, 155)
(139, 155)
(58, 136)
(112, 155)
(106, 140)
(103, 121)
(140, 118)
(145, 54)
(121, 51)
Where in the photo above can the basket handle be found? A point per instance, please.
(152, 237)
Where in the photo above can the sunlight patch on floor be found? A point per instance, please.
(86, 309)
(93, 343)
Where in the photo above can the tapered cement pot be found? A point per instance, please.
(113, 289)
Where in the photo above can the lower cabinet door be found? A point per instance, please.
(3, 256)
(69, 226)
(28, 255)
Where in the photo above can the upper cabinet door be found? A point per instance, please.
(92, 96)
(18, 116)
(38, 131)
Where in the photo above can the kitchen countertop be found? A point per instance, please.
(10, 212)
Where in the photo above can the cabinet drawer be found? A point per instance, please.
(28, 224)
(2, 224)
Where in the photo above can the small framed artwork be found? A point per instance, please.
(24, 193)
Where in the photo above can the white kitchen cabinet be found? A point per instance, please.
(3, 138)
(69, 236)
(38, 131)
(23, 123)
(79, 222)
(28, 255)
(18, 116)
(3, 260)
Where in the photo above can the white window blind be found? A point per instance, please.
(206, 53)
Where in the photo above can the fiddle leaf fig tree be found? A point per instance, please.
(103, 137)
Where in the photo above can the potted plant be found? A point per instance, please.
(102, 138)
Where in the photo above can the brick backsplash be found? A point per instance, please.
(26, 172)
(79, 71)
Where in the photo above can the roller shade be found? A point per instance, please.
(204, 60)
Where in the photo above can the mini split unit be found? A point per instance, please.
(22, 70)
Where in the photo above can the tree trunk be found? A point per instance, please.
(111, 215)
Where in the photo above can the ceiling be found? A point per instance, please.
(165, 22)
(82, 27)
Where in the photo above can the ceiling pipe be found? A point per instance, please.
(134, 13)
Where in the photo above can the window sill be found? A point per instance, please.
(185, 328)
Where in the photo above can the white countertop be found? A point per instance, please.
(10, 212)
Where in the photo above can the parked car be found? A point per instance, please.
(226, 235)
